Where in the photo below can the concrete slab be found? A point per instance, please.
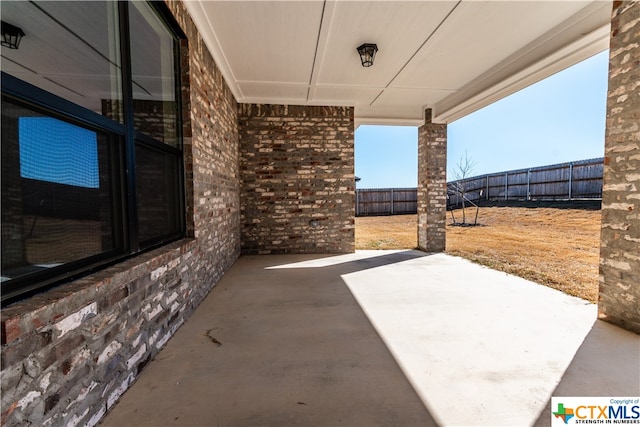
(378, 338)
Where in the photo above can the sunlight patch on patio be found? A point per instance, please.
(473, 341)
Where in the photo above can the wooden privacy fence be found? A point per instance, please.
(566, 181)
(386, 201)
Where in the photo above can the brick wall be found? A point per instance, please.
(69, 353)
(297, 175)
(432, 185)
(619, 253)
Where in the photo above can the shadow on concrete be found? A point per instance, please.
(607, 364)
(280, 341)
(349, 263)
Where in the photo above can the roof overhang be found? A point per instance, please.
(454, 57)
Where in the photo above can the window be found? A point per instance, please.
(91, 92)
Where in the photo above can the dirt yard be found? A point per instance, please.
(555, 247)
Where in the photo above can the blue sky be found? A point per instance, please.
(559, 119)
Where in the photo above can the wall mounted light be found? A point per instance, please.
(11, 35)
(367, 52)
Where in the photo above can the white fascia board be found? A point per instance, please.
(587, 46)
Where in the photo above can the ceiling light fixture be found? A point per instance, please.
(367, 52)
(11, 35)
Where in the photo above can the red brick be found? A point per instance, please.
(11, 330)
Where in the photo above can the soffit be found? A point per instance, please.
(452, 56)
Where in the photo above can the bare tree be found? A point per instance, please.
(463, 170)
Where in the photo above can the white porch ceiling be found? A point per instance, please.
(452, 56)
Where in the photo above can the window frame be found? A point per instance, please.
(123, 138)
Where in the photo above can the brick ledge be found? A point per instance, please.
(43, 309)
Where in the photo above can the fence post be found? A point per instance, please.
(487, 198)
(529, 184)
(506, 186)
(570, 178)
(392, 201)
(357, 202)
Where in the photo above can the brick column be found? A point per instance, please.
(432, 185)
(619, 301)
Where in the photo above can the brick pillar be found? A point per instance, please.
(432, 185)
(619, 300)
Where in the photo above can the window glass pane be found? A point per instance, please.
(153, 71)
(71, 160)
(70, 49)
(157, 185)
(57, 202)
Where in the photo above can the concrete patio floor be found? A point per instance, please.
(379, 338)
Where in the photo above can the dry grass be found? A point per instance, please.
(386, 232)
(555, 247)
